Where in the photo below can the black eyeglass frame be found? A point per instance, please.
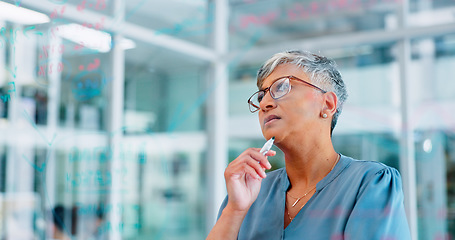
(290, 77)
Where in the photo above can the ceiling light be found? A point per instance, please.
(13, 13)
(87, 37)
(126, 44)
(91, 38)
(427, 145)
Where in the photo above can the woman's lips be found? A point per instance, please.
(270, 119)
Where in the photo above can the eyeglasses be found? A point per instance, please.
(279, 88)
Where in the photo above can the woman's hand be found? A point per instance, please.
(243, 181)
(243, 178)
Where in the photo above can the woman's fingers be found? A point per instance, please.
(261, 158)
(243, 177)
(254, 172)
(252, 162)
(249, 166)
(257, 168)
(270, 153)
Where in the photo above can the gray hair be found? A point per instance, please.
(321, 71)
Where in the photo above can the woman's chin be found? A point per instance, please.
(269, 134)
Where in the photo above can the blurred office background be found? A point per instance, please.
(118, 117)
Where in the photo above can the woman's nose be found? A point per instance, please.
(267, 102)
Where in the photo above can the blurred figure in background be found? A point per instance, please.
(99, 233)
(58, 229)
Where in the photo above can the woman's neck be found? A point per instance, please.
(306, 166)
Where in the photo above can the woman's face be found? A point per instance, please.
(298, 112)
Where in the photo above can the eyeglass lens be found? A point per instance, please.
(277, 90)
(280, 88)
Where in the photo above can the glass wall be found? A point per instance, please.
(104, 134)
(433, 101)
(108, 108)
(291, 20)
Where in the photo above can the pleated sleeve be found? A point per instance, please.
(379, 210)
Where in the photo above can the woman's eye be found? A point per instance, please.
(260, 97)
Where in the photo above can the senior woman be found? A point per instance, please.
(320, 194)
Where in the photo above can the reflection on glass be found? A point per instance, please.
(423, 13)
(432, 96)
(289, 20)
(434, 150)
(191, 20)
(166, 93)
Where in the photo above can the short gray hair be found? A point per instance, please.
(322, 71)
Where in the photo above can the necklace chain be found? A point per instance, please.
(289, 216)
(298, 199)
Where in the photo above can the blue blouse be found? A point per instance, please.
(356, 200)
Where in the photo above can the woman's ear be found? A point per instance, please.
(330, 103)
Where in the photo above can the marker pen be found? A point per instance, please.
(267, 146)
